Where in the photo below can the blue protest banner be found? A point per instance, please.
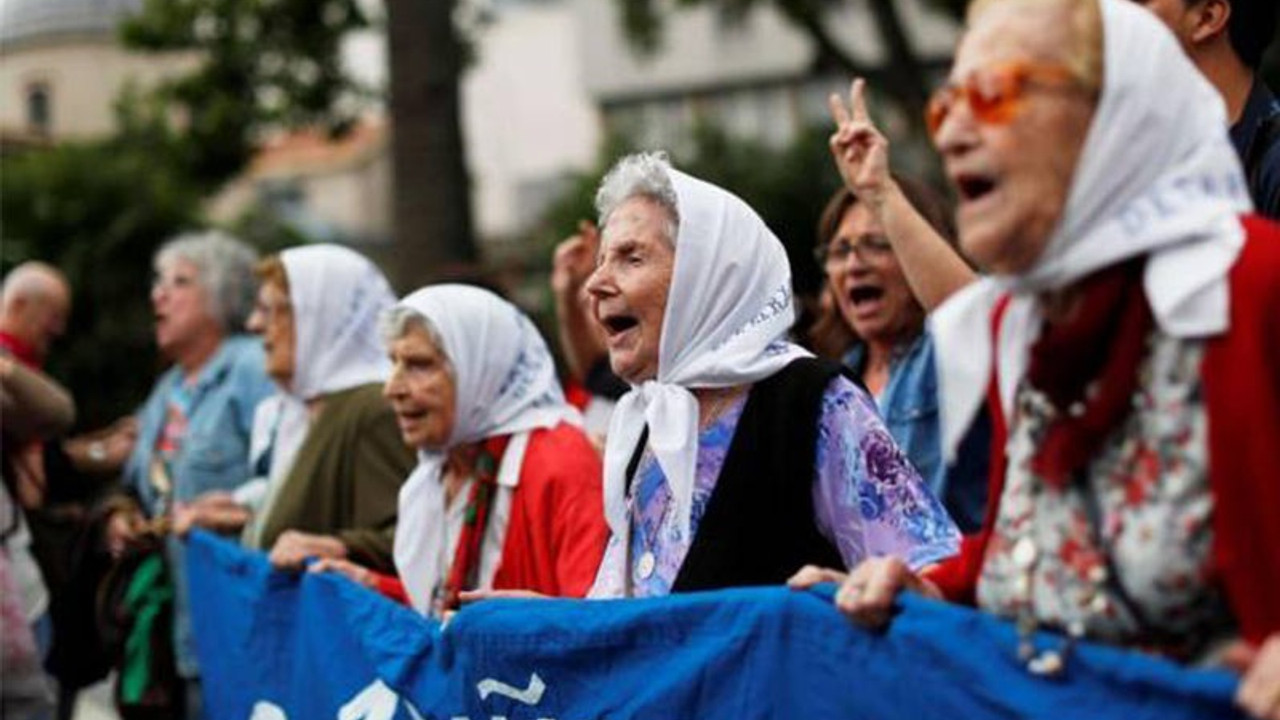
(275, 646)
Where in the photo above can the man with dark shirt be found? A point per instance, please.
(1226, 40)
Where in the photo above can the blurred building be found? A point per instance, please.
(62, 68)
(551, 79)
(756, 76)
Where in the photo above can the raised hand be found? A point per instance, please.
(575, 260)
(860, 151)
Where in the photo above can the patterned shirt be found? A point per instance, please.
(1095, 553)
(868, 500)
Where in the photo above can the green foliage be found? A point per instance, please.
(97, 211)
(259, 64)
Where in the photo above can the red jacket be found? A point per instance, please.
(557, 533)
(1241, 380)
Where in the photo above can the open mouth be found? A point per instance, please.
(618, 324)
(865, 294)
(974, 187)
(410, 416)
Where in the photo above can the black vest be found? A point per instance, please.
(758, 528)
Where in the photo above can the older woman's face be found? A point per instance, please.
(273, 320)
(1013, 174)
(629, 287)
(421, 390)
(181, 308)
(867, 282)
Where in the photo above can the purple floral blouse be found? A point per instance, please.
(868, 499)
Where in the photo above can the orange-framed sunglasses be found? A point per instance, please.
(995, 94)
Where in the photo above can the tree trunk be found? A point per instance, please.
(432, 200)
(903, 68)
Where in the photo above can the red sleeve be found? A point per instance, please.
(557, 532)
(1241, 374)
(390, 586)
(957, 577)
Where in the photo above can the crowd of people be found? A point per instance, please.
(1058, 402)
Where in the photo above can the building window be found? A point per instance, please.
(39, 108)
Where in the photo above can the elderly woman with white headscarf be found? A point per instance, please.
(736, 457)
(506, 495)
(327, 443)
(1127, 340)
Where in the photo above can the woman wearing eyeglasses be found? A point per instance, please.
(1127, 341)
(893, 354)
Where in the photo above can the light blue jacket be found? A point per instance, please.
(214, 453)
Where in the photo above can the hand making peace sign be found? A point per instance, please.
(860, 150)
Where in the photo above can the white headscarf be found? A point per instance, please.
(728, 311)
(1157, 176)
(337, 296)
(504, 383)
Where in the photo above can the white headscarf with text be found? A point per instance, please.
(504, 384)
(1157, 176)
(729, 308)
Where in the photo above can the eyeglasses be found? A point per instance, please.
(995, 94)
(869, 248)
(271, 312)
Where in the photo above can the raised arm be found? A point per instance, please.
(861, 153)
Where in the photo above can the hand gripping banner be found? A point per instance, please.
(312, 647)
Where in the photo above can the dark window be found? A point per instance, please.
(39, 108)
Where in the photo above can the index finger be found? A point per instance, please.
(838, 112)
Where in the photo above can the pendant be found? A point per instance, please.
(646, 565)
(1025, 553)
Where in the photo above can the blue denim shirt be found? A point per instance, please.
(909, 404)
(214, 454)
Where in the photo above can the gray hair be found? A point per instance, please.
(647, 175)
(224, 268)
(396, 321)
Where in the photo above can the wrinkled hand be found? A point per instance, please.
(355, 573)
(811, 575)
(575, 260)
(866, 595)
(123, 529)
(860, 151)
(1259, 691)
(293, 547)
(466, 597)
(217, 511)
(119, 440)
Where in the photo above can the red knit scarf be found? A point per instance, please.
(1087, 365)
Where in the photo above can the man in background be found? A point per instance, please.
(1226, 40)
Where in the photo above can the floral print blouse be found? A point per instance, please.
(868, 499)
(1093, 557)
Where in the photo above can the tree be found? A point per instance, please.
(259, 65)
(432, 204)
(97, 211)
(903, 75)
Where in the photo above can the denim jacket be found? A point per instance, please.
(214, 453)
(909, 404)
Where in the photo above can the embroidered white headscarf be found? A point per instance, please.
(728, 311)
(504, 384)
(337, 296)
(1157, 176)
